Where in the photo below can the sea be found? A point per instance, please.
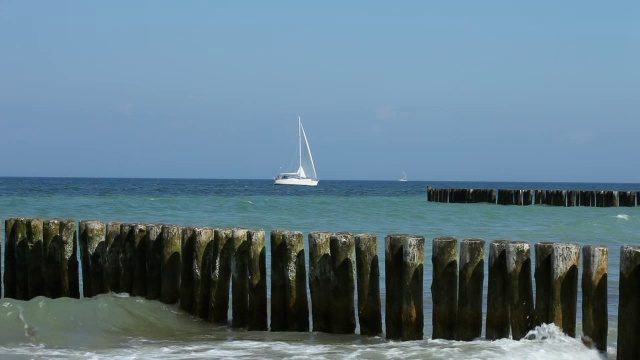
(118, 326)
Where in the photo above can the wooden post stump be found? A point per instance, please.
(343, 315)
(92, 241)
(444, 288)
(368, 282)
(595, 316)
(518, 255)
(404, 264)
(498, 322)
(629, 303)
(471, 282)
(289, 304)
(320, 280)
(170, 268)
(257, 272)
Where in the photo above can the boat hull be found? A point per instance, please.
(303, 182)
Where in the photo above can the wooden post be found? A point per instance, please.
(170, 267)
(471, 281)
(22, 258)
(544, 253)
(69, 268)
(564, 294)
(92, 242)
(114, 243)
(186, 266)
(498, 323)
(257, 272)
(595, 317)
(10, 258)
(126, 257)
(343, 315)
(368, 281)
(404, 263)
(202, 267)
(320, 279)
(239, 279)
(518, 255)
(289, 304)
(153, 261)
(444, 288)
(35, 259)
(138, 243)
(222, 252)
(629, 303)
(50, 238)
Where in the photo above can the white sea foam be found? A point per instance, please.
(622, 216)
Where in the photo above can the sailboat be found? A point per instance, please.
(404, 177)
(306, 174)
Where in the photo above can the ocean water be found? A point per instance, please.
(121, 327)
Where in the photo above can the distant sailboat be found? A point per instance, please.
(404, 177)
(306, 174)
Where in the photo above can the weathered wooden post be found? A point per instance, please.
(320, 280)
(186, 265)
(343, 315)
(627, 198)
(20, 227)
(498, 323)
(257, 272)
(572, 198)
(170, 269)
(10, 258)
(518, 255)
(444, 288)
(137, 242)
(240, 279)
(564, 295)
(595, 317)
(222, 252)
(50, 237)
(404, 265)
(471, 281)
(153, 260)
(629, 303)
(542, 274)
(368, 282)
(289, 304)
(35, 259)
(202, 267)
(557, 285)
(92, 242)
(114, 243)
(126, 257)
(69, 250)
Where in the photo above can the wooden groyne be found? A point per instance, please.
(203, 268)
(566, 198)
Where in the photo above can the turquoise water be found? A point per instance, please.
(105, 326)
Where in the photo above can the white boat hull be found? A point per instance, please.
(294, 181)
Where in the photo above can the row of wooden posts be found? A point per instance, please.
(568, 198)
(198, 266)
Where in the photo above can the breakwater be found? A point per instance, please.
(202, 268)
(566, 198)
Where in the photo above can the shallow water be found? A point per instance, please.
(113, 326)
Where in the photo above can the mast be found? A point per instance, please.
(299, 144)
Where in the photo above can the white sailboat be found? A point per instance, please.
(306, 174)
(404, 177)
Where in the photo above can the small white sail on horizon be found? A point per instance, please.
(306, 173)
(404, 176)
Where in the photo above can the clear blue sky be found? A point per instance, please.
(470, 90)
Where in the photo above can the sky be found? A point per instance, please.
(443, 90)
